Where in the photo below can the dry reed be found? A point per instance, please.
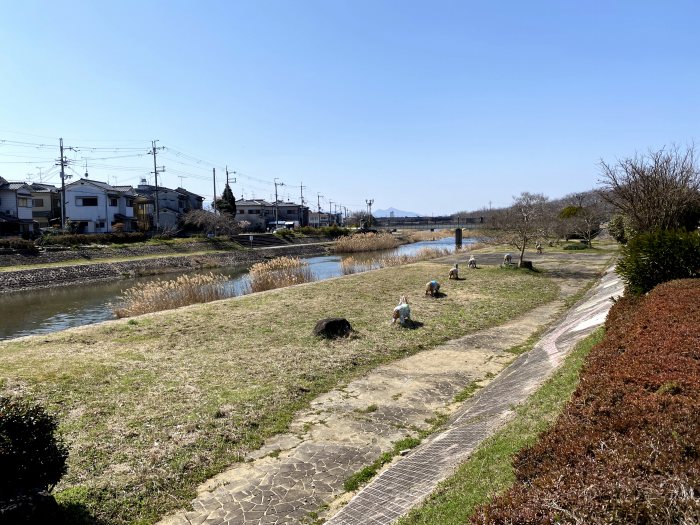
(351, 265)
(277, 273)
(365, 242)
(165, 295)
(425, 235)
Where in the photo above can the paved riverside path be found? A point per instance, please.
(298, 474)
(408, 482)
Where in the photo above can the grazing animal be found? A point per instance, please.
(507, 259)
(454, 272)
(432, 288)
(402, 312)
(472, 262)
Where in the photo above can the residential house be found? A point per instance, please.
(46, 204)
(97, 207)
(172, 204)
(261, 213)
(15, 208)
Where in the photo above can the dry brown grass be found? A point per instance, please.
(278, 273)
(166, 295)
(351, 265)
(365, 242)
(426, 235)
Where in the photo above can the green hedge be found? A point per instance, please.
(652, 258)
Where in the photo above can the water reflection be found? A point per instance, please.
(48, 310)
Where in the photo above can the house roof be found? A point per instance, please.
(189, 193)
(15, 186)
(253, 202)
(103, 186)
(40, 187)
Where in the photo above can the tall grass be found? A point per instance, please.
(165, 295)
(365, 242)
(351, 265)
(425, 235)
(277, 273)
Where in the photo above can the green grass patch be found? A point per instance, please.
(362, 476)
(489, 470)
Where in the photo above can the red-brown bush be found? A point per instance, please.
(626, 448)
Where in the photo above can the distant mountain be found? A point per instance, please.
(397, 213)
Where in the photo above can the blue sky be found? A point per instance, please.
(432, 107)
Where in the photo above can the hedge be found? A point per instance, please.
(627, 448)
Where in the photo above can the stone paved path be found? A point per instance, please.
(296, 474)
(408, 482)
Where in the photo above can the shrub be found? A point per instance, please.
(332, 232)
(285, 233)
(32, 458)
(73, 239)
(656, 257)
(15, 243)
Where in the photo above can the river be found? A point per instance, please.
(49, 310)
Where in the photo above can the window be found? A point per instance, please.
(100, 224)
(38, 203)
(129, 203)
(24, 202)
(113, 201)
(86, 201)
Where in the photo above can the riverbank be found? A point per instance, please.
(153, 406)
(121, 266)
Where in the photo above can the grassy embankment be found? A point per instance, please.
(153, 406)
(489, 470)
(115, 253)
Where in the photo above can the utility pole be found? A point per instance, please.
(276, 202)
(369, 207)
(318, 203)
(213, 203)
(63, 162)
(156, 171)
(330, 212)
(301, 206)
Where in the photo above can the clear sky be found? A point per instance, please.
(431, 106)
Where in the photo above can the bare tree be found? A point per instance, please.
(207, 221)
(658, 190)
(583, 215)
(524, 222)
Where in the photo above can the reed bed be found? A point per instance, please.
(278, 273)
(425, 235)
(167, 294)
(365, 242)
(351, 265)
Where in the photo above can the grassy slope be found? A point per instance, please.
(489, 471)
(155, 405)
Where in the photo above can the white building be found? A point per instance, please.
(15, 208)
(96, 207)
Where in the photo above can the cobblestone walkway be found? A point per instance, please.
(296, 474)
(408, 482)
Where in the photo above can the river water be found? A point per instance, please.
(48, 310)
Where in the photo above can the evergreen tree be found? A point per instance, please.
(227, 202)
